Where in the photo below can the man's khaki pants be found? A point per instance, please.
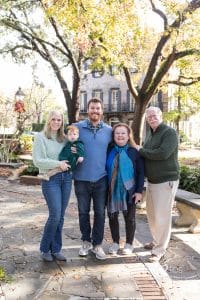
(159, 203)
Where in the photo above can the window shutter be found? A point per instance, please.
(160, 102)
(119, 100)
(101, 96)
(109, 100)
(128, 101)
(85, 102)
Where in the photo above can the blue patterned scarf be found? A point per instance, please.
(121, 179)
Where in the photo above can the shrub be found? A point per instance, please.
(31, 170)
(182, 137)
(3, 276)
(190, 179)
(26, 142)
(8, 149)
(36, 127)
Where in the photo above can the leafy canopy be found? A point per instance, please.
(106, 31)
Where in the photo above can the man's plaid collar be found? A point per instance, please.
(92, 127)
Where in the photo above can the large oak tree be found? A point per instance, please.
(107, 32)
(26, 31)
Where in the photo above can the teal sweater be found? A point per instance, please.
(160, 151)
(66, 153)
(46, 152)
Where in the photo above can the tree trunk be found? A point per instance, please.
(73, 111)
(138, 120)
(71, 99)
(179, 113)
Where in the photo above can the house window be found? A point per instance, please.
(85, 71)
(97, 73)
(114, 70)
(154, 101)
(133, 70)
(97, 94)
(172, 103)
(115, 99)
(83, 101)
(130, 102)
(85, 66)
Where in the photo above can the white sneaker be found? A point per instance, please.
(85, 248)
(128, 249)
(113, 248)
(98, 251)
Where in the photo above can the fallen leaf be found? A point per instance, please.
(77, 276)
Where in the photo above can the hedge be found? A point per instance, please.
(190, 179)
(37, 127)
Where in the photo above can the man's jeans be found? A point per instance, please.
(56, 192)
(85, 192)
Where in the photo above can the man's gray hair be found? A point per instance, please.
(156, 109)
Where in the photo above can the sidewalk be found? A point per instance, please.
(23, 214)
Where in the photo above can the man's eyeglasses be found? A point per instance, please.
(150, 117)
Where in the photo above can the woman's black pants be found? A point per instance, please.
(130, 225)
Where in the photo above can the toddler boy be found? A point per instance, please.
(73, 158)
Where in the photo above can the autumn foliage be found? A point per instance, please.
(19, 106)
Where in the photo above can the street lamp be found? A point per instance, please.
(19, 109)
(19, 95)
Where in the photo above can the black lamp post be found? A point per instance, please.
(19, 109)
(19, 95)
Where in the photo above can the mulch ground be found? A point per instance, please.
(5, 172)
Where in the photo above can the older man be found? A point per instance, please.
(160, 151)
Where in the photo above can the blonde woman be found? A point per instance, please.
(56, 191)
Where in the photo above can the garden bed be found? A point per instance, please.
(29, 180)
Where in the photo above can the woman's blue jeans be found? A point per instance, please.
(86, 191)
(56, 192)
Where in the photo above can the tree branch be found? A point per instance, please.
(160, 13)
(70, 55)
(32, 35)
(187, 81)
(131, 87)
(15, 48)
(165, 66)
(187, 52)
(192, 6)
(61, 39)
(36, 43)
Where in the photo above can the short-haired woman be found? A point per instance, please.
(126, 180)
